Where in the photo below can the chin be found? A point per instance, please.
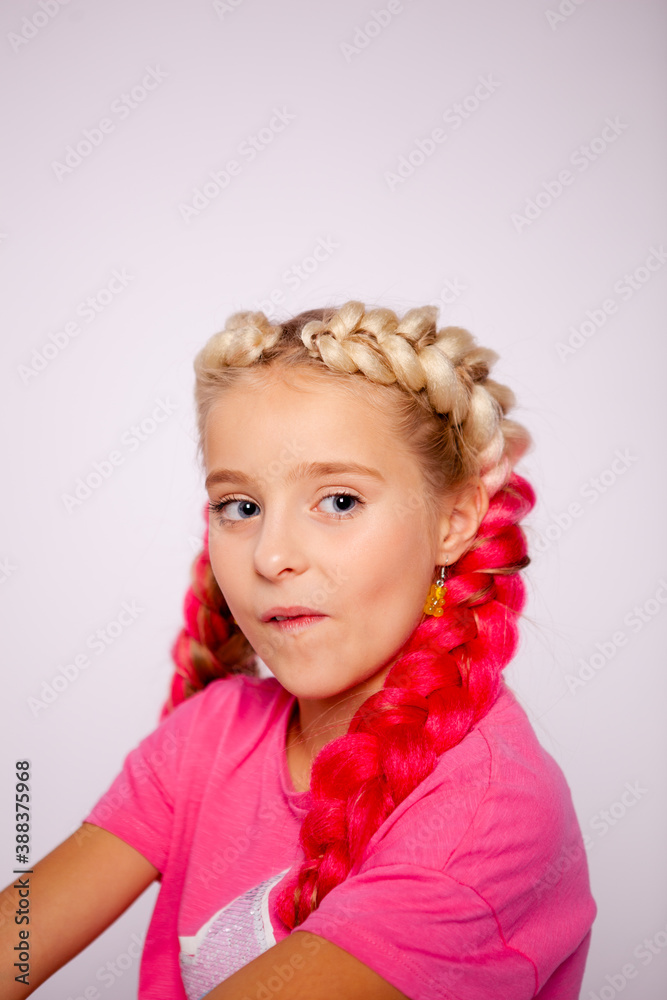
(312, 692)
(310, 687)
(305, 685)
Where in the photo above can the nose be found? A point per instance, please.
(280, 547)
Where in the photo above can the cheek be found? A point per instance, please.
(395, 564)
(221, 566)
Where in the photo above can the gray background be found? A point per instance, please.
(453, 232)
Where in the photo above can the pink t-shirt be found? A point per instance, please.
(476, 887)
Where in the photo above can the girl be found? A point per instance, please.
(372, 816)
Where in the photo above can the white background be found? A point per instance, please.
(458, 219)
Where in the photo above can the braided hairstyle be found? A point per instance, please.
(435, 385)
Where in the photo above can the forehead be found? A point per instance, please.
(255, 421)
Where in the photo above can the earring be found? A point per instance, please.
(436, 595)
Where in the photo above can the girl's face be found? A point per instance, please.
(320, 506)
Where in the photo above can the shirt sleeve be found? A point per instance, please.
(138, 806)
(428, 935)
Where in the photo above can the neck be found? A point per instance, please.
(317, 721)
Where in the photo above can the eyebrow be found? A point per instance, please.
(304, 470)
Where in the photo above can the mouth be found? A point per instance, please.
(295, 623)
(289, 619)
(295, 611)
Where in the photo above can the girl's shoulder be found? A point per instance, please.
(163, 774)
(227, 697)
(229, 716)
(497, 790)
(502, 755)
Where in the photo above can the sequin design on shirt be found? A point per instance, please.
(233, 936)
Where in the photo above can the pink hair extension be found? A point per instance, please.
(208, 627)
(446, 678)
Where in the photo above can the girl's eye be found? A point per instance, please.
(220, 507)
(339, 511)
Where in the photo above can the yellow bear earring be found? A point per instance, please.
(436, 595)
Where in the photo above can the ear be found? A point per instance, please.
(460, 519)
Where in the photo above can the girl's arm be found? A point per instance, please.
(73, 894)
(308, 967)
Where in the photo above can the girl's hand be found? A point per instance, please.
(75, 893)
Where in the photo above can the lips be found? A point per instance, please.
(296, 611)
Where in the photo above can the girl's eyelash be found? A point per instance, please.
(218, 506)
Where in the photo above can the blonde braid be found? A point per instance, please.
(245, 337)
(446, 363)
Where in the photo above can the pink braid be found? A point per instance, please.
(209, 645)
(446, 678)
